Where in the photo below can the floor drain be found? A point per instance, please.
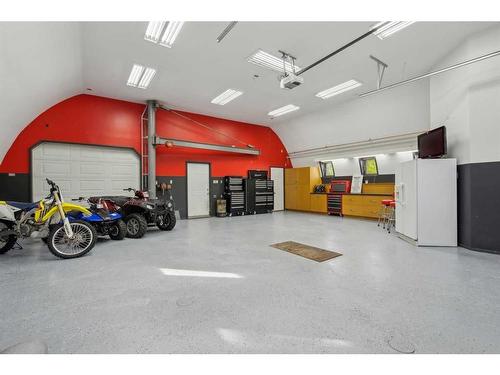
(401, 345)
(184, 301)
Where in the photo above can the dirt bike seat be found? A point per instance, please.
(25, 206)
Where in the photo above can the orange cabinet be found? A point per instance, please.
(362, 205)
(299, 183)
(318, 203)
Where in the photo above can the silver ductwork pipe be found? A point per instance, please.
(151, 148)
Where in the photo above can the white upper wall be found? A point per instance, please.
(40, 65)
(386, 163)
(394, 112)
(467, 100)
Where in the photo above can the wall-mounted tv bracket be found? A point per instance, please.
(381, 66)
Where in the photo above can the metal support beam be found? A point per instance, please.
(430, 74)
(151, 148)
(158, 141)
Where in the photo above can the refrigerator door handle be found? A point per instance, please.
(399, 193)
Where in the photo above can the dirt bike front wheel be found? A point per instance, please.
(83, 240)
(8, 241)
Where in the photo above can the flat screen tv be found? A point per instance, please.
(432, 144)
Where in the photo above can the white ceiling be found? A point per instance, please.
(198, 68)
(45, 62)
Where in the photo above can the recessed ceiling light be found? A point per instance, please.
(283, 110)
(226, 97)
(140, 76)
(339, 89)
(390, 28)
(169, 29)
(269, 61)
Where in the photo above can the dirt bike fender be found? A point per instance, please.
(67, 207)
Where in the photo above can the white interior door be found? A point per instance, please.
(198, 190)
(83, 170)
(277, 175)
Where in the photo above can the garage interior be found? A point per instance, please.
(295, 187)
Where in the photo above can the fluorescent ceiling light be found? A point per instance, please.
(390, 28)
(283, 110)
(148, 75)
(169, 29)
(135, 75)
(339, 89)
(171, 32)
(194, 273)
(140, 76)
(269, 61)
(153, 32)
(226, 96)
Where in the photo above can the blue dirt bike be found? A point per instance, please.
(105, 218)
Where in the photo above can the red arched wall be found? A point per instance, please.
(102, 121)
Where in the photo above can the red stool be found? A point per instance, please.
(382, 214)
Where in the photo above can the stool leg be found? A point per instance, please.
(386, 214)
(391, 220)
(381, 215)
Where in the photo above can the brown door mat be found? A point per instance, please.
(306, 251)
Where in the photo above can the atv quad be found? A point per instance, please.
(140, 211)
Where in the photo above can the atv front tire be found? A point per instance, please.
(167, 222)
(136, 225)
(118, 230)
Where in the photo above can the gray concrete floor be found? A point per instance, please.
(382, 296)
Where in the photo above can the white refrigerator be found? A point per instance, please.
(426, 201)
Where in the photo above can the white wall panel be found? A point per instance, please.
(467, 100)
(40, 65)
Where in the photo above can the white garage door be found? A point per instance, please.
(83, 171)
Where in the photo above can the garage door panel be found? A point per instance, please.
(116, 155)
(65, 185)
(119, 185)
(58, 152)
(83, 170)
(92, 185)
(51, 168)
(122, 170)
(92, 169)
(89, 154)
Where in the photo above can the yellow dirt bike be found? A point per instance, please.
(47, 220)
